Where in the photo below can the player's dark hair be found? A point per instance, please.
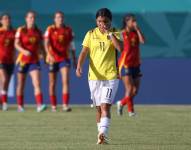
(31, 12)
(104, 12)
(1, 17)
(58, 12)
(126, 18)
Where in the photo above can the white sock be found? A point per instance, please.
(104, 125)
(98, 126)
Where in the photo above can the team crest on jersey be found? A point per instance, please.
(32, 40)
(61, 38)
(7, 42)
(133, 41)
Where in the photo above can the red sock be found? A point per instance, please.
(4, 98)
(20, 101)
(65, 98)
(130, 104)
(39, 99)
(53, 100)
(124, 101)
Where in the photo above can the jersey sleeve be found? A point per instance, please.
(47, 32)
(86, 41)
(18, 33)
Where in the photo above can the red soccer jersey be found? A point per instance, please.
(60, 39)
(7, 50)
(130, 56)
(30, 40)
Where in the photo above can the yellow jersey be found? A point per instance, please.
(103, 55)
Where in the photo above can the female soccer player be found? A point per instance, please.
(7, 51)
(58, 42)
(129, 63)
(29, 43)
(101, 44)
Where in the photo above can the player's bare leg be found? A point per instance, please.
(52, 88)
(35, 76)
(104, 123)
(65, 88)
(128, 98)
(21, 77)
(98, 117)
(5, 79)
(137, 83)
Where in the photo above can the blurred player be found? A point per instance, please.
(129, 63)
(58, 42)
(29, 43)
(7, 52)
(101, 43)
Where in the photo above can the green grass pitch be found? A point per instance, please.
(155, 128)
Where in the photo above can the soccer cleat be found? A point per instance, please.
(119, 108)
(41, 108)
(21, 109)
(66, 109)
(4, 107)
(53, 109)
(102, 139)
(132, 114)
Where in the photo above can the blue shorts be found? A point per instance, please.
(57, 66)
(135, 72)
(9, 68)
(28, 67)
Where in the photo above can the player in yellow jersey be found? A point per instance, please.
(101, 44)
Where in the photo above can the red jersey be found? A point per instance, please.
(130, 56)
(7, 50)
(30, 40)
(60, 39)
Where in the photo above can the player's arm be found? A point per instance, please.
(47, 45)
(139, 33)
(116, 42)
(17, 44)
(81, 60)
(42, 53)
(73, 51)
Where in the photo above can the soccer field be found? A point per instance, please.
(155, 128)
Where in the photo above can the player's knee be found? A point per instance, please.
(19, 90)
(52, 85)
(37, 87)
(129, 91)
(3, 80)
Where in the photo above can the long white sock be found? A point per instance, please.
(104, 125)
(98, 126)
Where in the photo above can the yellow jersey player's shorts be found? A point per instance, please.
(103, 91)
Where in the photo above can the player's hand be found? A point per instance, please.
(79, 72)
(135, 25)
(50, 59)
(26, 53)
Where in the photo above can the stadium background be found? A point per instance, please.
(166, 54)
